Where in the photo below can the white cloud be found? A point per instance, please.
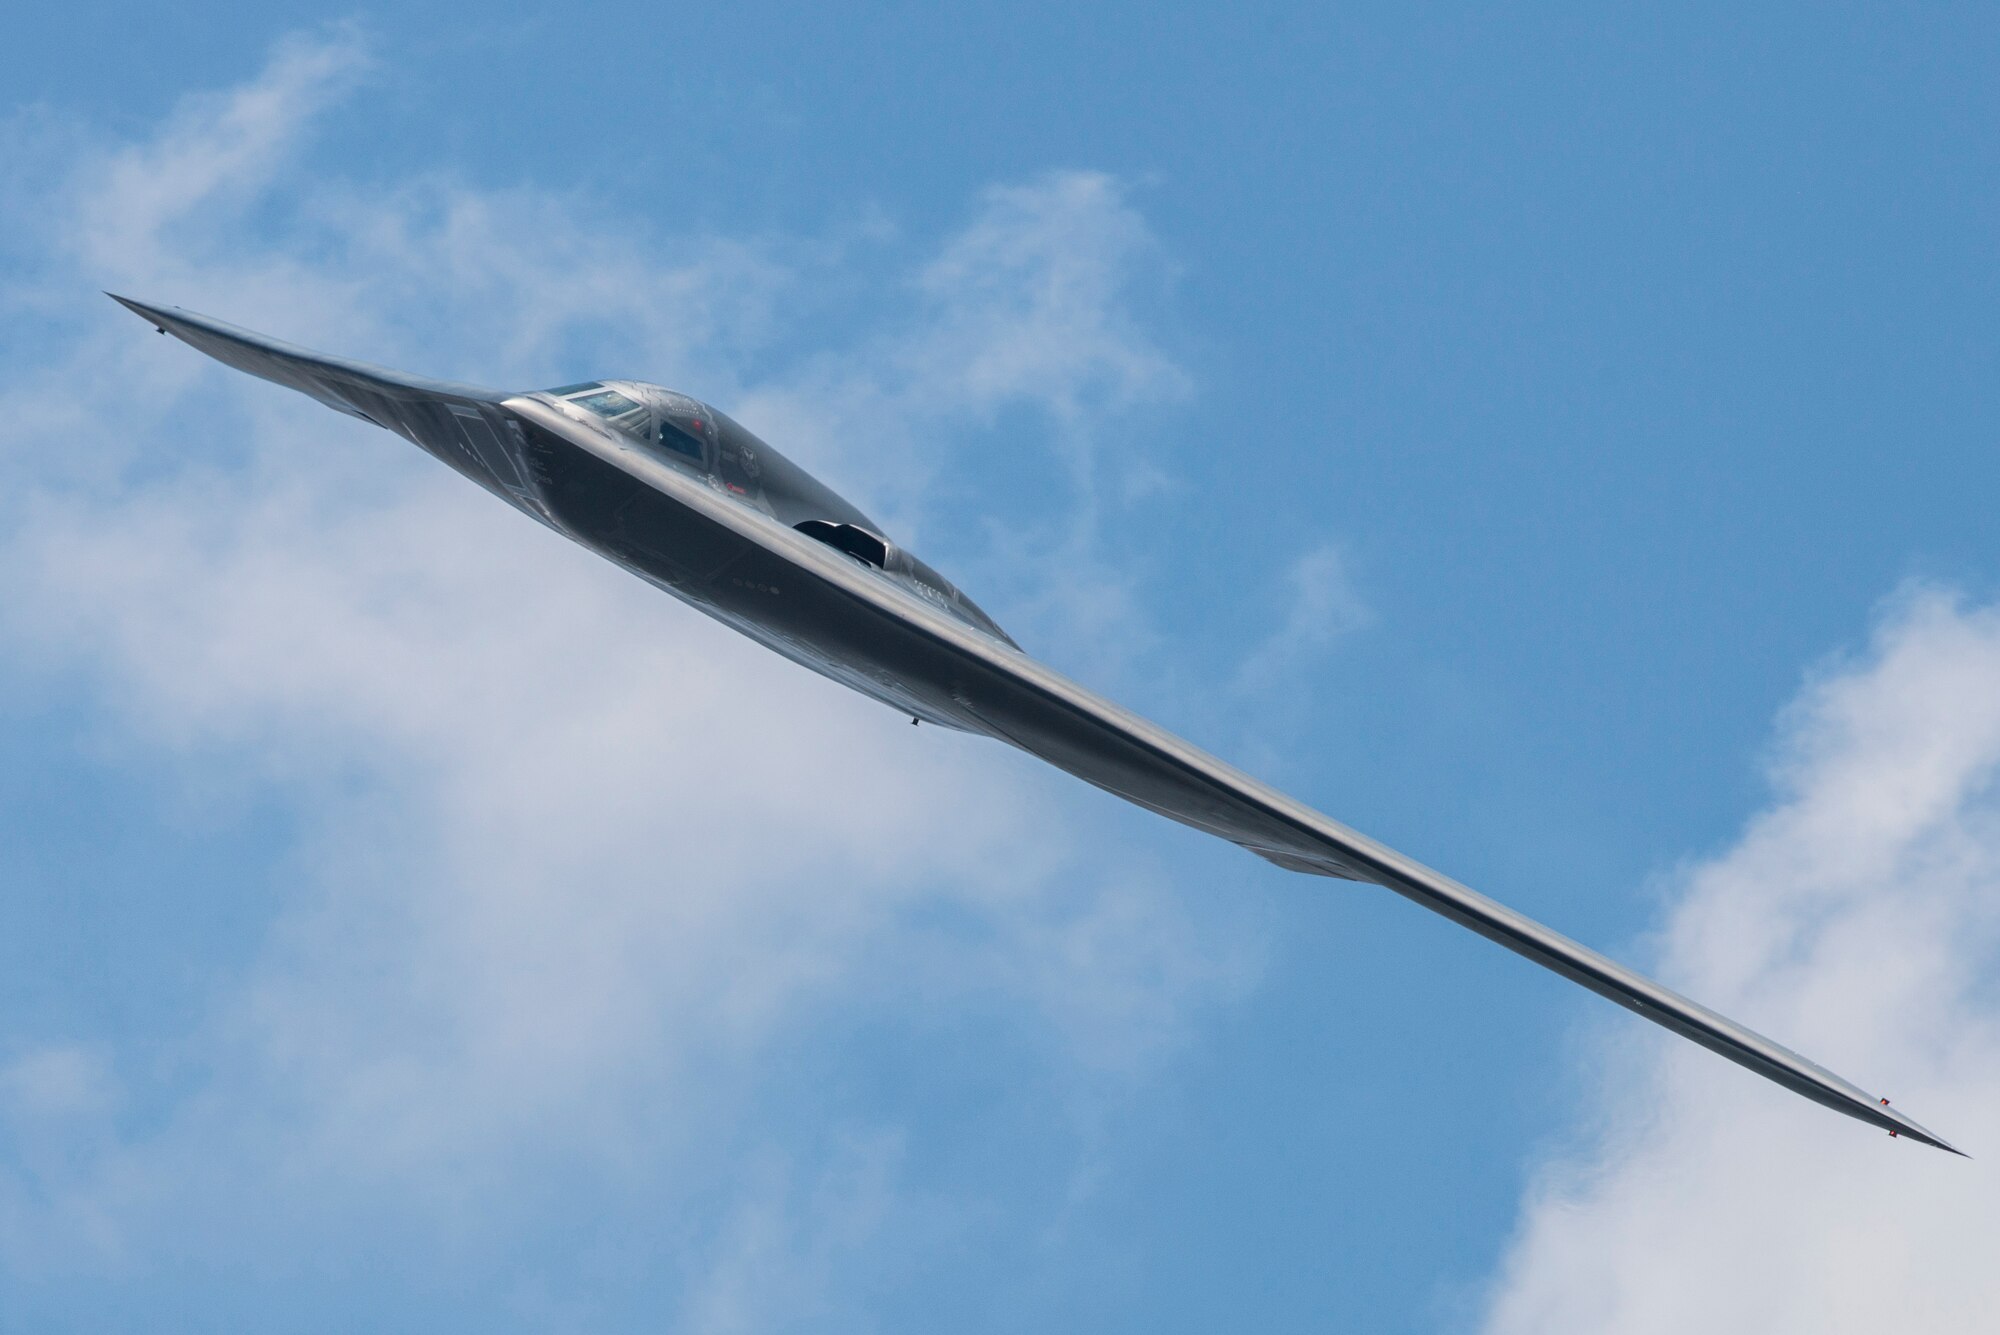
(573, 859)
(1029, 300)
(126, 214)
(1324, 606)
(780, 1241)
(1857, 920)
(60, 1082)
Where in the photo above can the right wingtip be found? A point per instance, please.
(1905, 1126)
(1941, 1143)
(1945, 1145)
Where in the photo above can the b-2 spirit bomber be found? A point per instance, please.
(689, 500)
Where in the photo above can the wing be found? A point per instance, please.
(1043, 713)
(994, 688)
(460, 424)
(989, 686)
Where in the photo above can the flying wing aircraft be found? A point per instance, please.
(689, 500)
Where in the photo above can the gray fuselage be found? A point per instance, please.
(616, 492)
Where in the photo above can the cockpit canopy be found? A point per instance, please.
(652, 413)
(695, 436)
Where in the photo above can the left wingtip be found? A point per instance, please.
(138, 308)
(152, 315)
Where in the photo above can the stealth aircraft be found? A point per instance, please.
(689, 500)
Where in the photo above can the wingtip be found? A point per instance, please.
(152, 315)
(1904, 1126)
(1939, 1142)
(1944, 1145)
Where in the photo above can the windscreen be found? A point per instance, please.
(652, 413)
(607, 403)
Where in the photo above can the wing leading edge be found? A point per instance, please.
(998, 690)
(1052, 717)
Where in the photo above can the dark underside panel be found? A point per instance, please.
(715, 568)
(628, 520)
(981, 698)
(461, 435)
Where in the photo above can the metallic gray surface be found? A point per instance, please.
(720, 534)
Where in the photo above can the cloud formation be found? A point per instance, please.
(1858, 919)
(1323, 606)
(581, 880)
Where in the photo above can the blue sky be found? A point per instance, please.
(1558, 443)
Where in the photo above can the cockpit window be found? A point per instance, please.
(607, 403)
(681, 441)
(568, 390)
